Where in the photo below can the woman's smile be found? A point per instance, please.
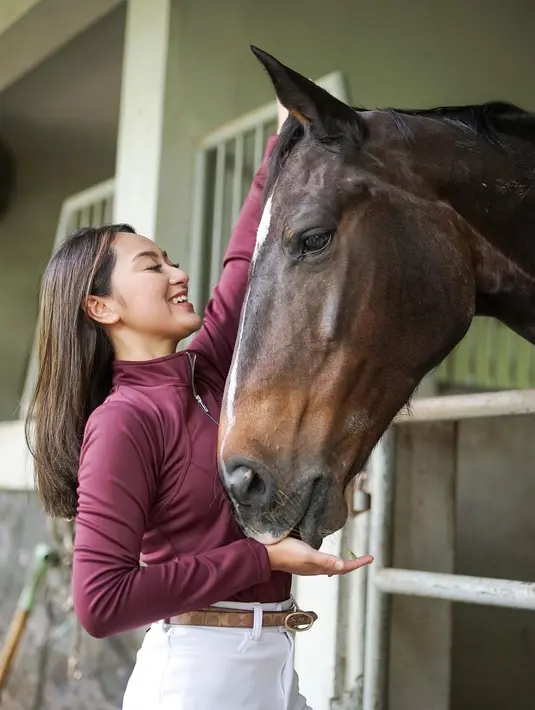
(180, 300)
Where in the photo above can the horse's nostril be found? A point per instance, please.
(247, 486)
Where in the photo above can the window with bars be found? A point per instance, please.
(229, 170)
(226, 163)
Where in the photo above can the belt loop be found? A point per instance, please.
(258, 618)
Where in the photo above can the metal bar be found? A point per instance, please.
(258, 146)
(196, 261)
(469, 406)
(457, 587)
(355, 641)
(237, 180)
(344, 631)
(217, 225)
(84, 218)
(101, 211)
(63, 226)
(382, 470)
(108, 209)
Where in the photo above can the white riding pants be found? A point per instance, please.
(205, 668)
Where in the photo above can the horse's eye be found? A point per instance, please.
(316, 242)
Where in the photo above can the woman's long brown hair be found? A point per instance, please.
(75, 355)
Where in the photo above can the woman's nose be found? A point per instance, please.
(178, 276)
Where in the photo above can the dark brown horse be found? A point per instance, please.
(384, 233)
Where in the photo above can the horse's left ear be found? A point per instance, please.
(307, 102)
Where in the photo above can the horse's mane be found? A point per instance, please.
(492, 121)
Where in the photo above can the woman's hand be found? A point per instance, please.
(296, 557)
(282, 115)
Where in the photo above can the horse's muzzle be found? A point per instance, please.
(269, 508)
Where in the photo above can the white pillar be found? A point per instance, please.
(141, 119)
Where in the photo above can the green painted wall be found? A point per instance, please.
(391, 53)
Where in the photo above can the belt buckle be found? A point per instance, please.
(300, 620)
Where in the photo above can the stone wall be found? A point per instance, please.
(38, 679)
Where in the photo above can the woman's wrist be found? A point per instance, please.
(273, 553)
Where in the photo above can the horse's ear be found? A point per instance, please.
(307, 102)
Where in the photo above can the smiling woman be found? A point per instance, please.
(147, 312)
(124, 432)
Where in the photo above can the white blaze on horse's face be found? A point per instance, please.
(263, 228)
(261, 234)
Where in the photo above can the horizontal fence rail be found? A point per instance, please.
(457, 588)
(469, 406)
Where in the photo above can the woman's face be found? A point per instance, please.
(149, 307)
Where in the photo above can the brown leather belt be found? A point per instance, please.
(292, 619)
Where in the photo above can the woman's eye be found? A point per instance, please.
(316, 242)
(159, 267)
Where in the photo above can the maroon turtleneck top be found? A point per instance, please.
(148, 480)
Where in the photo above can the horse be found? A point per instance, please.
(383, 233)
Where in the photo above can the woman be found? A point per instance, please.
(125, 435)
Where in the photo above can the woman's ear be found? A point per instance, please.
(100, 310)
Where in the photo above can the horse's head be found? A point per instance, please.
(360, 285)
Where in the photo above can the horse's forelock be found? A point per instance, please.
(293, 132)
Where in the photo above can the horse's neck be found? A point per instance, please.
(499, 204)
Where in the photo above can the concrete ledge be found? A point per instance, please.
(16, 465)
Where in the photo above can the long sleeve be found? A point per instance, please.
(118, 480)
(217, 337)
